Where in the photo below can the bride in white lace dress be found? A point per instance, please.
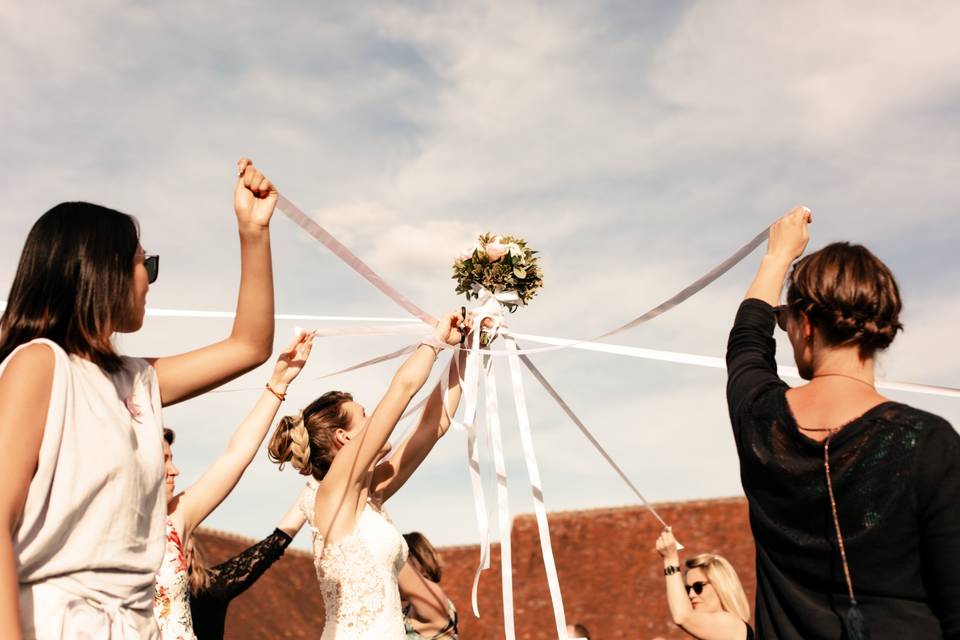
(357, 550)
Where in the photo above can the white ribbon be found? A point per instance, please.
(488, 308)
(491, 306)
(533, 472)
(503, 498)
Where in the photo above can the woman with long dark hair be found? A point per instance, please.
(854, 499)
(82, 504)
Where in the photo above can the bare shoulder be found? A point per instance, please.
(30, 367)
(25, 390)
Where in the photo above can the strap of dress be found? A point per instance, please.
(308, 500)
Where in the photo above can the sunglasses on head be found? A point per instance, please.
(697, 587)
(152, 264)
(780, 313)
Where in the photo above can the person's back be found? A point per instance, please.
(892, 470)
(853, 498)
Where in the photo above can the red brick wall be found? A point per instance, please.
(610, 575)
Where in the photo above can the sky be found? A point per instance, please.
(633, 144)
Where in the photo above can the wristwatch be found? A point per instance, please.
(669, 571)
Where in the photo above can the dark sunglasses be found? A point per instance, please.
(780, 313)
(697, 587)
(152, 264)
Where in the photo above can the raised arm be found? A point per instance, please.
(721, 625)
(196, 503)
(231, 578)
(350, 465)
(293, 520)
(434, 423)
(251, 338)
(751, 347)
(24, 400)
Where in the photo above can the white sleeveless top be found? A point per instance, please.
(358, 575)
(92, 533)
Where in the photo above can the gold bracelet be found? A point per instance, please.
(280, 396)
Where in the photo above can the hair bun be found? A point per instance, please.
(849, 295)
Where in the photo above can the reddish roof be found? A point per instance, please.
(610, 575)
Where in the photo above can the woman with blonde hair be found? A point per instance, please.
(707, 600)
(358, 552)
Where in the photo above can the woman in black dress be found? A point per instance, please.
(854, 499)
(213, 588)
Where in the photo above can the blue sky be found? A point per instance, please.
(635, 144)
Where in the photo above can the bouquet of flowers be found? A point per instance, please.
(499, 264)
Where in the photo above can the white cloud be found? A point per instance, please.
(808, 74)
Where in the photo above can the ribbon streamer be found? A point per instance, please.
(323, 236)
(533, 473)
(503, 498)
(676, 357)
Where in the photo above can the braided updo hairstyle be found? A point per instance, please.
(307, 440)
(849, 295)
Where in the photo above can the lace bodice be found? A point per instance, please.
(358, 575)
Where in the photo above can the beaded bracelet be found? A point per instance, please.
(280, 396)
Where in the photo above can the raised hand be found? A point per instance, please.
(448, 329)
(254, 197)
(292, 359)
(667, 545)
(789, 235)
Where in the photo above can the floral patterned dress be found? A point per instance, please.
(171, 600)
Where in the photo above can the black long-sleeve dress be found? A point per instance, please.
(896, 478)
(231, 578)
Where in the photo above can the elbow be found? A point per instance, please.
(261, 354)
(253, 354)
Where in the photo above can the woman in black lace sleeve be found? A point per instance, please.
(854, 499)
(212, 588)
